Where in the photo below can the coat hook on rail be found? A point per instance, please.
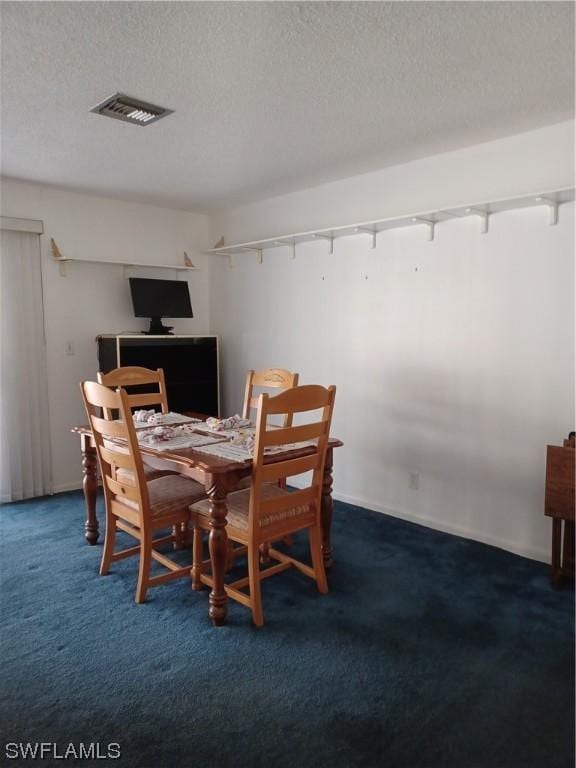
(372, 232)
(484, 216)
(429, 223)
(330, 239)
(253, 249)
(291, 245)
(552, 208)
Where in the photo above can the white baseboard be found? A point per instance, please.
(534, 553)
(63, 487)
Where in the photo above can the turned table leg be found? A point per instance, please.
(326, 509)
(218, 544)
(556, 551)
(90, 486)
(568, 548)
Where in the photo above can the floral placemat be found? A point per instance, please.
(145, 419)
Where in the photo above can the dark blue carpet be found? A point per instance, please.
(429, 652)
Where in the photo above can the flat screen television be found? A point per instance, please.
(160, 298)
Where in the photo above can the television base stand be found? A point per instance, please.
(158, 329)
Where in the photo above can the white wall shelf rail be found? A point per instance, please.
(64, 260)
(550, 201)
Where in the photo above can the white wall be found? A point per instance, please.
(95, 298)
(453, 359)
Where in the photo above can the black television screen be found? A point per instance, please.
(160, 298)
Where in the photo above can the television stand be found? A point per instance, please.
(190, 365)
(158, 329)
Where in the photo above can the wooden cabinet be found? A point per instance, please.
(190, 364)
(559, 505)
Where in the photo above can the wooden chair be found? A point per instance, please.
(137, 508)
(267, 379)
(136, 376)
(266, 512)
(133, 376)
(270, 378)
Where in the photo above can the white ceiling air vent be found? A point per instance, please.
(122, 107)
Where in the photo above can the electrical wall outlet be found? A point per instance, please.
(414, 481)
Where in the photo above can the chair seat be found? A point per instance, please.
(170, 495)
(238, 504)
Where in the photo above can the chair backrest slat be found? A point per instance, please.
(144, 398)
(282, 469)
(269, 468)
(109, 427)
(267, 379)
(115, 456)
(129, 376)
(123, 490)
(296, 434)
(300, 498)
(100, 397)
(297, 400)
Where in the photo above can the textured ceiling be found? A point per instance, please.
(270, 97)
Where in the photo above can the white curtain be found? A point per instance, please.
(24, 426)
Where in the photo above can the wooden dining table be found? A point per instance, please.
(219, 477)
